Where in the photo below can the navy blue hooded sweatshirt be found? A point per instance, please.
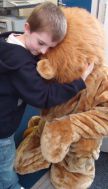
(20, 80)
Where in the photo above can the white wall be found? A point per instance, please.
(25, 12)
(99, 9)
(106, 31)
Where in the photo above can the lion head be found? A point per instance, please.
(82, 45)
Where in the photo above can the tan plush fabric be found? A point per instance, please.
(73, 132)
(29, 157)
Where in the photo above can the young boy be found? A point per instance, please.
(20, 84)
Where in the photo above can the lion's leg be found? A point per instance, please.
(77, 170)
(29, 158)
(63, 179)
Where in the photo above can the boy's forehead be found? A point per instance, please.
(46, 39)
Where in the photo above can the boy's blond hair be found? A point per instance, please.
(48, 17)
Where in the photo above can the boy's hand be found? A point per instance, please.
(88, 71)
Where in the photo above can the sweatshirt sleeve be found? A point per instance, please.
(38, 92)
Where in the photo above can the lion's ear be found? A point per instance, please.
(45, 69)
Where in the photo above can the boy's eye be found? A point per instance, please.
(40, 43)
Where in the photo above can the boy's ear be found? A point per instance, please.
(45, 69)
(27, 27)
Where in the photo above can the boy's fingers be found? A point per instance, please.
(90, 67)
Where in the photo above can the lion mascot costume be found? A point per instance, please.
(68, 137)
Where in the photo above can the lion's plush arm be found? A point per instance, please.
(91, 124)
(60, 134)
(56, 139)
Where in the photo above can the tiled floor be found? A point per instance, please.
(43, 183)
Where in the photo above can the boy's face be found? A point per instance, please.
(38, 42)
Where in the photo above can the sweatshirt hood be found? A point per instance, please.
(9, 59)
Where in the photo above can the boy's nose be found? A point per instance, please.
(44, 50)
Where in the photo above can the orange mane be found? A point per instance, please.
(83, 44)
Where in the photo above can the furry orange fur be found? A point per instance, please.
(83, 44)
(71, 138)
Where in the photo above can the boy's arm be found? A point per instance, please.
(38, 92)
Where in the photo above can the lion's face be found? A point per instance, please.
(83, 44)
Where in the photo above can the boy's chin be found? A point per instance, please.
(35, 53)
